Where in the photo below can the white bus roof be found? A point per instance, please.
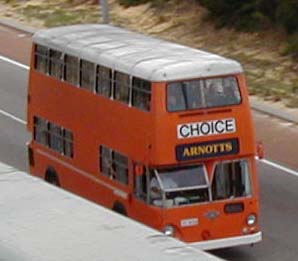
(135, 54)
(42, 222)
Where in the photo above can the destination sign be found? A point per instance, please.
(207, 149)
(206, 128)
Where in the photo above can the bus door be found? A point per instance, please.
(143, 208)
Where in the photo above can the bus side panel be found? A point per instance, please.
(74, 179)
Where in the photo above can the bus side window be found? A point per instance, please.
(121, 167)
(68, 143)
(140, 184)
(71, 69)
(56, 64)
(55, 137)
(121, 90)
(41, 58)
(41, 131)
(106, 167)
(87, 75)
(103, 81)
(141, 94)
(114, 165)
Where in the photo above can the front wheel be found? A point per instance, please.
(119, 208)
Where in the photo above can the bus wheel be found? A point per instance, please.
(119, 208)
(52, 177)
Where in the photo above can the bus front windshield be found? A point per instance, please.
(179, 186)
(202, 94)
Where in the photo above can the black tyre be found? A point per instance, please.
(52, 177)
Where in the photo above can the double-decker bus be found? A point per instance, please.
(157, 131)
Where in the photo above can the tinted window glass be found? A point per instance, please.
(103, 81)
(71, 69)
(121, 87)
(56, 64)
(197, 94)
(87, 74)
(41, 58)
(141, 94)
(231, 180)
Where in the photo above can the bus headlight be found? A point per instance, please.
(251, 219)
(169, 231)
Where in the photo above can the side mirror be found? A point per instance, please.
(139, 169)
(155, 189)
(260, 150)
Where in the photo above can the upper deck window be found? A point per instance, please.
(41, 58)
(103, 81)
(141, 94)
(56, 64)
(87, 75)
(199, 94)
(121, 87)
(71, 69)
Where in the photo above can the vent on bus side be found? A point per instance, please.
(234, 207)
(204, 112)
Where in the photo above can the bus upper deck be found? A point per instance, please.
(194, 93)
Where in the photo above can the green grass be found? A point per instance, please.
(53, 15)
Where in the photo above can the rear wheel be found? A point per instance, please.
(52, 177)
(119, 208)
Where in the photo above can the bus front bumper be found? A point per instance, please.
(228, 242)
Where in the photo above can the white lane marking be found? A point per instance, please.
(280, 167)
(9, 115)
(5, 59)
(22, 35)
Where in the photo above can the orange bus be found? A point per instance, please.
(154, 130)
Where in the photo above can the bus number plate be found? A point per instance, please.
(189, 222)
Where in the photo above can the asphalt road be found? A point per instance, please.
(279, 193)
(13, 134)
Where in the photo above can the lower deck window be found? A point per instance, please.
(231, 180)
(53, 136)
(114, 164)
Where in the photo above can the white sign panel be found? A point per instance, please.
(206, 128)
(189, 222)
